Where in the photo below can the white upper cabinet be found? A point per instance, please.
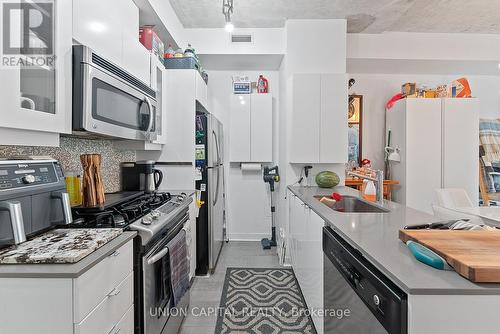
(251, 128)
(201, 91)
(306, 104)
(333, 119)
(38, 98)
(319, 119)
(240, 128)
(111, 29)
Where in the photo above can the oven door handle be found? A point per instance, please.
(158, 256)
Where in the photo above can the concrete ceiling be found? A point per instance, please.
(368, 16)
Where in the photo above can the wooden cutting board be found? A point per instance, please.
(473, 254)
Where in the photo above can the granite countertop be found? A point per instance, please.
(66, 270)
(376, 236)
(59, 246)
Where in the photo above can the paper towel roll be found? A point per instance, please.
(251, 167)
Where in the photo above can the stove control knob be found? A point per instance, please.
(146, 221)
(376, 300)
(155, 214)
(27, 179)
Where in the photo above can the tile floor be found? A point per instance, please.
(206, 291)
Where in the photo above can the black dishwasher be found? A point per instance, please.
(358, 298)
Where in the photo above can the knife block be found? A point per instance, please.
(93, 188)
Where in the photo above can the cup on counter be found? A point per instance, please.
(74, 188)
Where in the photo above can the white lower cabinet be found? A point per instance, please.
(99, 301)
(306, 253)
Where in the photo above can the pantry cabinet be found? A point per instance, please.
(306, 253)
(251, 129)
(319, 119)
(111, 29)
(37, 97)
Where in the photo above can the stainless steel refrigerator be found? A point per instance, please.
(210, 165)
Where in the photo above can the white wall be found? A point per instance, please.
(247, 200)
(378, 88)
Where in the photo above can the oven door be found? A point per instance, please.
(157, 290)
(112, 107)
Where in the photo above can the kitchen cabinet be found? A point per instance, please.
(37, 98)
(451, 142)
(319, 119)
(178, 152)
(305, 240)
(98, 301)
(251, 129)
(111, 29)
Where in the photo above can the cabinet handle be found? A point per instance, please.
(114, 292)
(114, 254)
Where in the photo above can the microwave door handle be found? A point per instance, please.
(16, 219)
(151, 116)
(66, 206)
(158, 256)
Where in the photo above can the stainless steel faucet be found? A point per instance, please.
(379, 182)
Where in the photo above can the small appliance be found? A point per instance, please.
(141, 175)
(109, 101)
(33, 199)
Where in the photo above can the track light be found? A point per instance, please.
(227, 10)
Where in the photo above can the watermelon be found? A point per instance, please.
(327, 179)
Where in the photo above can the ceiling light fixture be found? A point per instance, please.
(227, 10)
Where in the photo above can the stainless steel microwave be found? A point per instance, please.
(109, 101)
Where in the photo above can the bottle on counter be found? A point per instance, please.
(370, 193)
(74, 187)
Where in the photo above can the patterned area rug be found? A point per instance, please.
(262, 301)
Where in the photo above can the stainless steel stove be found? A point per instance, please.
(157, 218)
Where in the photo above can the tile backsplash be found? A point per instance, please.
(68, 154)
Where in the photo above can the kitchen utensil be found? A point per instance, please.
(473, 254)
(425, 255)
(93, 187)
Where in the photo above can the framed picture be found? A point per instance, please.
(355, 122)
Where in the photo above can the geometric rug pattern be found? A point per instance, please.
(262, 301)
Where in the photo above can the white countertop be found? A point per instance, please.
(376, 236)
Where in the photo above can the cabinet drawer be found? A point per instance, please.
(92, 287)
(110, 312)
(126, 323)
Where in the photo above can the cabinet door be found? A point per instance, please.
(304, 146)
(461, 145)
(38, 97)
(97, 24)
(201, 91)
(261, 128)
(333, 119)
(159, 84)
(240, 130)
(314, 289)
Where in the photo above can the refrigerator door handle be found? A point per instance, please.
(216, 147)
(216, 195)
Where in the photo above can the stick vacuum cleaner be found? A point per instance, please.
(271, 175)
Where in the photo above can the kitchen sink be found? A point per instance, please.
(351, 204)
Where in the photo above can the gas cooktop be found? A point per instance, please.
(120, 210)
